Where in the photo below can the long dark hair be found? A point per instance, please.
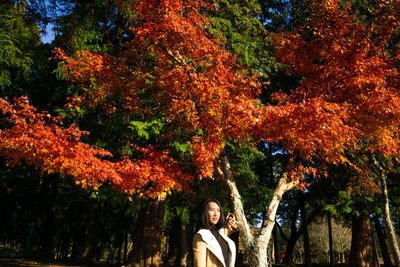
(205, 219)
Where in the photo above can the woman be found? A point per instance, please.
(211, 245)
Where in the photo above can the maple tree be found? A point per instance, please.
(217, 100)
(37, 139)
(172, 49)
(176, 68)
(348, 68)
(346, 101)
(211, 111)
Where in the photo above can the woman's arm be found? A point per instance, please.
(231, 225)
(199, 252)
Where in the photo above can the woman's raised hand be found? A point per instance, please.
(231, 223)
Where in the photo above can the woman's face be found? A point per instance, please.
(214, 212)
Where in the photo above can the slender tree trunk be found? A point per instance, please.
(173, 242)
(48, 240)
(382, 243)
(362, 250)
(306, 239)
(120, 248)
(184, 246)
(126, 238)
(386, 214)
(147, 241)
(256, 246)
(77, 237)
(30, 242)
(294, 235)
(290, 248)
(374, 247)
(89, 254)
(331, 255)
(277, 253)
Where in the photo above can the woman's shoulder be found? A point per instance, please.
(207, 232)
(203, 234)
(200, 236)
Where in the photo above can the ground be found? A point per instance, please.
(16, 262)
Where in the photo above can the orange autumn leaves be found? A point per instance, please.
(347, 98)
(100, 78)
(37, 139)
(185, 74)
(313, 129)
(189, 76)
(207, 92)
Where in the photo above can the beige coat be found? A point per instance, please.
(207, 251)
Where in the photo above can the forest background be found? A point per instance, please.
(137, 111)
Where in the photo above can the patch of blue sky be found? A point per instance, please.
(49, 34)
(54, 10)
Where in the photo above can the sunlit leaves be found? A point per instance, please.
(101, 79)
(38, 139)
(179, 66)
(348, 96)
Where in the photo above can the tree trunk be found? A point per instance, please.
(89, 254)
(184, 246)
(386, 214)
(48, 240)
(306, 239)
(382, 243)
(362, 251)
(126, 237)
(331, 256)
(256, 247)
(30, 242)
(78, 238)
(147, 242)
(119, 257)
(294, 235)
(277, 253)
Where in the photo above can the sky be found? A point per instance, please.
(49, 36)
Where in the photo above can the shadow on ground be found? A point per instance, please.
(17, 262)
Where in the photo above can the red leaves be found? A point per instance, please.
(347, 100)
(347, 96)
(37, 139)
(198, 77)
(313, 129)
(192, 79)
(102, 78)
(185, 74)
(155, 174)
